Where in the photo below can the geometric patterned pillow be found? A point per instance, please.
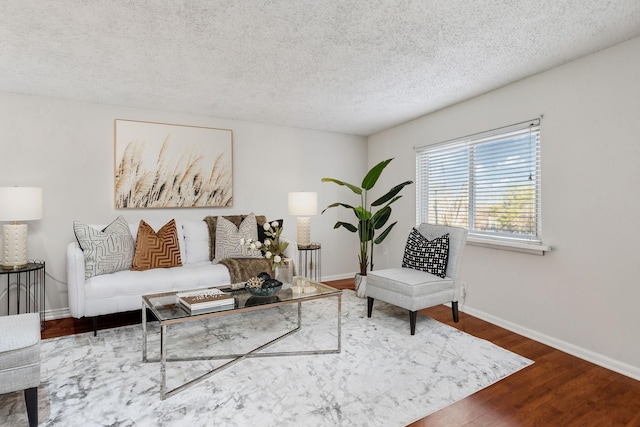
(157, 249)
(422, 254)
(236, 220)
(228, 238)
(105, 251)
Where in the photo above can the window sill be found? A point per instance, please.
(528, 248)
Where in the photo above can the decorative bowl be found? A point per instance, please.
(264, 292)
(255, 300)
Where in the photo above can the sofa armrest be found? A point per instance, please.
(75, 280)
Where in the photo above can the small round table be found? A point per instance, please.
(309, 261)
(29, 279)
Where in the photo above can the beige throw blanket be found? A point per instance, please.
(241, 269)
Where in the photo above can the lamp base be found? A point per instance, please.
(303, 231)
(14, 245)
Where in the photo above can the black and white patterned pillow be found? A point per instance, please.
(105, 251)
(422, 254)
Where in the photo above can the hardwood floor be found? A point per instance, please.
(557, 390)
(70, 326)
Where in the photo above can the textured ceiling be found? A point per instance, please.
(355, 66)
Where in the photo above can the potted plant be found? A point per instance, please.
(368, 221)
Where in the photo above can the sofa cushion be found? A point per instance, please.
(105, 251)
(19, 331)
(159, 249)
(408, 281)
(121, 291)
(425, 255)
(196, 241)
(228, 238)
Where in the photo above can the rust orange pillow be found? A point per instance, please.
(159, 249)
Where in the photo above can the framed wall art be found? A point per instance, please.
(159, 165)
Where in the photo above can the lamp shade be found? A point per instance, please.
(20, 203)
(303, 203)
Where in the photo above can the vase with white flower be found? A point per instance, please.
(272, 248)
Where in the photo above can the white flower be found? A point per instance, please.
(277, 259)
(242, 241)
(274, 224)
(252, 246)
(267, 255)
(258, 245)
(266, 226)
(267, 242)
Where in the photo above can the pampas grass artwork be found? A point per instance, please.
(166, 166)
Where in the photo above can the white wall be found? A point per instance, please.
(584, 295)
(67, 148)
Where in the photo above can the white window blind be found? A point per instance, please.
(487, 182)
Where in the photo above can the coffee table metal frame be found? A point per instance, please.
(325, 292)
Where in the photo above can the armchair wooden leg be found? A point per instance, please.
(412, 321)
(454, 309)
(369, 306)
(31, 400)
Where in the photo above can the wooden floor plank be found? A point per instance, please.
(557, 390)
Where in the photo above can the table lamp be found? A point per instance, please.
(17, 204)
(302, 204)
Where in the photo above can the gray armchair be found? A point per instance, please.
(413, 289)
(20, 359)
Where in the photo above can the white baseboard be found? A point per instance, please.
(582, 353)
(338, 277)
(59, 313)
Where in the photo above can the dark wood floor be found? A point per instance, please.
(557, 390)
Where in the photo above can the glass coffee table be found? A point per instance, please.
(168, 311)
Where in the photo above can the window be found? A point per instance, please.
(488, 183)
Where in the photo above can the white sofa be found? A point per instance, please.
(122, 291)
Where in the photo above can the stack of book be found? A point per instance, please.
(205, 300)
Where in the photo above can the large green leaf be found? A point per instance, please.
(362, 214)
(384, 234)
(283, 246)
(352, 228)
(393, 200)
(353, 188)
(395, 190)
(381, 217)
(372, 176)
(333, 205)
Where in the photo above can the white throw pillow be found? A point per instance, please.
(196, 241)
(228, 238)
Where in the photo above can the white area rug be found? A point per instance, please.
(383, 376)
